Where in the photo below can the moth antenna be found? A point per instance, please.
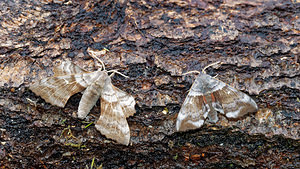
(111, 75)
(115, 71)
(212, 64)
(99, 60)
(193, 71)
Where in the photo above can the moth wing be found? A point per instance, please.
(112, 122)
(234, 102)
(209, 95)
(192, 113)
(67, 68)
(58, 89)
(127, 102)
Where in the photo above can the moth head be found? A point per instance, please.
(202, 77)
(102, 78)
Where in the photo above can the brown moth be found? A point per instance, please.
(208, 96)
(116, 105)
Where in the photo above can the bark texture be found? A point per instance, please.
(154, 43)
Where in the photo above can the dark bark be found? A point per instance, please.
(152, 42)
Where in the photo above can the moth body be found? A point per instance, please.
(92, 93)
(208, 96)
(116, 104)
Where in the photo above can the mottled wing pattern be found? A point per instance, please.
(58, 89)
(192, 113)
(67, 68)
(116, 105)
(127, 102)
(234, 103)
(112, 122)
(208, 96)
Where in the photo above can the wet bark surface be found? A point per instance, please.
(154, 43)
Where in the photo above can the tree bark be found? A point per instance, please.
(154, 43)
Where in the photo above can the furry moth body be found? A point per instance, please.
(116, 105)
(208, 96)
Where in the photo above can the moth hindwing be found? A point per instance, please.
(116, 105)
(208, 96)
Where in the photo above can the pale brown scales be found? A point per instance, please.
(116, 105)
(208, 96)
(112, 122)
(57, 90)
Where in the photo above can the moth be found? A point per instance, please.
(208, 96)
(116, 105)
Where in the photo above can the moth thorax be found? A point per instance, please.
(102, 78)
(206, 84)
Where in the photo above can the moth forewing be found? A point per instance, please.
(67, 68)
(116, 104)
(127, 102)
(215, 96)
(112, 122)
(192, 113)
(235, 103)
(57, 90)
